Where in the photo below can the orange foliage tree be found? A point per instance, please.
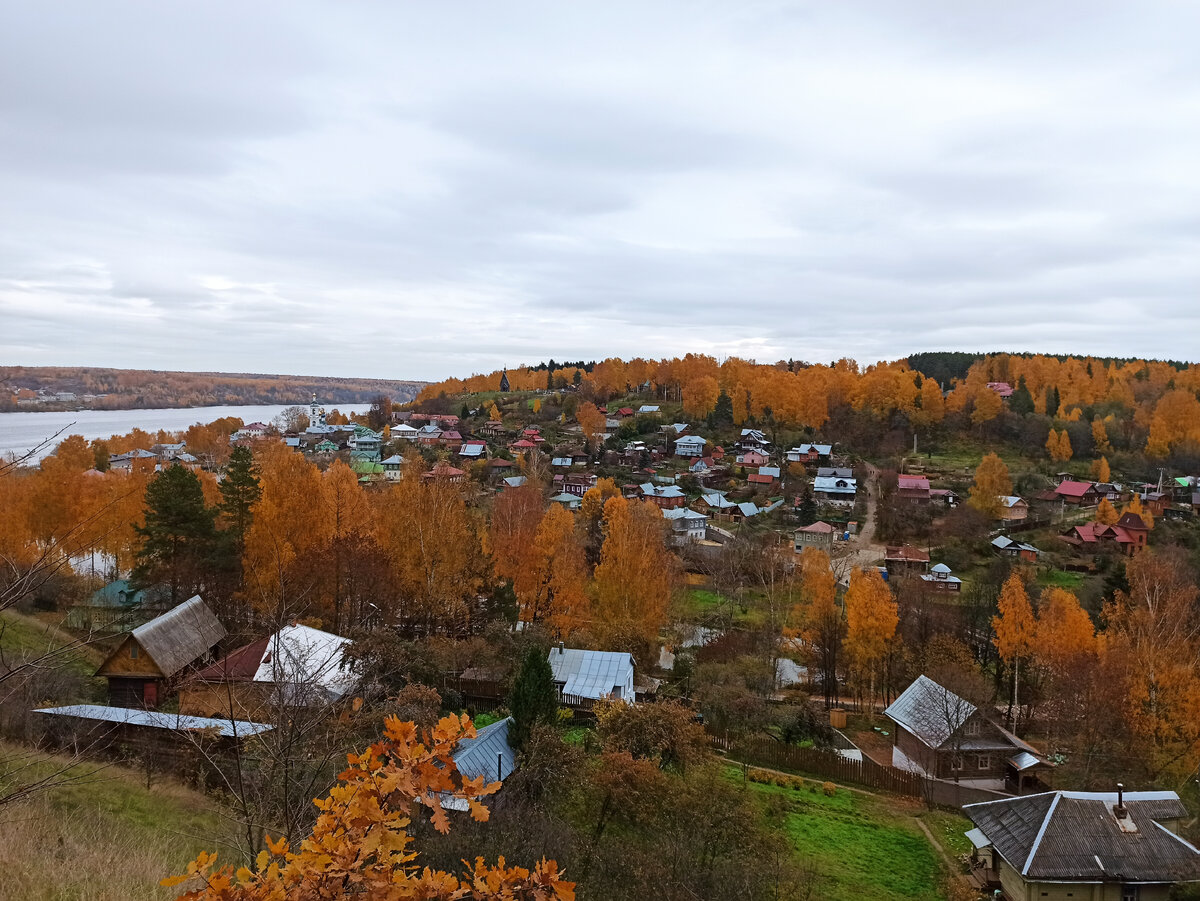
(1014, 629)
(634, 578)
(361, 845)
(555, 590)
(433, 544)
(871, 619)
(591, 422)
(1153, 635)
(992, 482)
(822, 626)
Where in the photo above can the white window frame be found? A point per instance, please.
(983, 761)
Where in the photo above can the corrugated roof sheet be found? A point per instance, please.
(156, 719)
(1075, 836)
(591, 674)
(180, 636)
(477, 756)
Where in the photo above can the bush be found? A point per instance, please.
(829, 788)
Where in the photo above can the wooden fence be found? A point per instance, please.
(765, 752)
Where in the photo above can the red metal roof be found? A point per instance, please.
(236, 666)
(1073, 489)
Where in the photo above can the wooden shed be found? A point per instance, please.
(163, 648)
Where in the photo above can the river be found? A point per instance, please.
(21, 431)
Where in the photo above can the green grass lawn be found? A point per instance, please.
(860, 846)
(26, 636)
(1057, 578)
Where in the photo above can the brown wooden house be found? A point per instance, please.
(164, 648)
(945, 736)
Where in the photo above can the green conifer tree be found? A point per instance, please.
(177, 541)
(534, 698)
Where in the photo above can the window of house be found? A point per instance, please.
(984, 762)
(133, 652)
(956, 762)
(1130, 893)
(971, 727)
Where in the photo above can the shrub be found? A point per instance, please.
(829, 788)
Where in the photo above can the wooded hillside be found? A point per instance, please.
(131, 389)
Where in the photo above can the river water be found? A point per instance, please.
(21, 431)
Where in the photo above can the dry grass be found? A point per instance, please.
(104, 838)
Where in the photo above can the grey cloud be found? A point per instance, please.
(425, 191)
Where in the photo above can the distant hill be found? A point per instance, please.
(132, 389)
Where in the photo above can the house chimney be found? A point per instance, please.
(562, 647)
(1119, 811)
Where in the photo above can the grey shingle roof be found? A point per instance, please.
(180, 636)
(1074, 836)
(929, 711)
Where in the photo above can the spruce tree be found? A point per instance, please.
(1021, 402)
(177, 541)
(240, 490)
(534, 698)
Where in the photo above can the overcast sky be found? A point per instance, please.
(427, 189)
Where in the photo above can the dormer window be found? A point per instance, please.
(971, 727)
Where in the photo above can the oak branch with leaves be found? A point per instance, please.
(361, 846)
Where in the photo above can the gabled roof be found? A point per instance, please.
(682, 513)
(1010, 501)
(1070, 488)
(691, 440)
(477, 756)
(1076, 837)
(180, 636)
(590, 674)
(718, 500)
(929, 711)
(822, 528)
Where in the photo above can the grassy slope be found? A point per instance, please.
(863, 846)
(107, 837)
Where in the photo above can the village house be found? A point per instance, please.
(819, 535)
(429, 435)
(584, 676)
(766, 475)
(1010, 547)
(945, 497)
(578, 483)
(753, 457)
(648, 410)
(809, 453)
(1103, 846)
(118, 607)
(753, 439)
(913, 489)
(940, 734)
(393, 468)
(473, 450)
(686, 525)
(140, 668)
(939, 578)
(297, 666)
(444, 471)
(487, 756)
(665, 496)
(405, 432)
(837, 490)
(570, 501)
(1083, 494)
(690, 446)
(905, 559)
(715, 504)
(1013, 509)
(1128, 535)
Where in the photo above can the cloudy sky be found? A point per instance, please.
(427, 189)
